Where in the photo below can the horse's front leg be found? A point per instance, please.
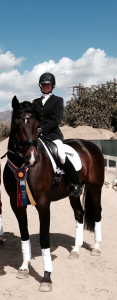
(78, 213)
(44, 215)
(21, 215)
(1, 228)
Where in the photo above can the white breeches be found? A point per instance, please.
(1, 229)
(61, 152)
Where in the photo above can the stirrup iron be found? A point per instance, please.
(76, 190)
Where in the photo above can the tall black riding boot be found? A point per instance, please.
(74, 188)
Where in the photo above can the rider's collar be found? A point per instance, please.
(46, 95)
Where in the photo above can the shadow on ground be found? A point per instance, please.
(11, 255)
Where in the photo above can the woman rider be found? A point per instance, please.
(49, 113)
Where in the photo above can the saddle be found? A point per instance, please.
(71, 166)
(54, 152)
(52, 149)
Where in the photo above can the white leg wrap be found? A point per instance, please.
(61, 152)
(97, 232)
(1, 228)
(79, 234)
(26, 250)
(47, 262)
(24, 266)
(76, 249)
(97, 246)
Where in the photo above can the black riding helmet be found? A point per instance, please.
(47, 78)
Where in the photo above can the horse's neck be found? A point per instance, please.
(44, 155)
(15, 159)
(41, 149)
(10, 145)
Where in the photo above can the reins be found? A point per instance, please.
(26, 143)
(16, 143)
(25, 117)
(18, 154)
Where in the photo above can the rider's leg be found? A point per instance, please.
(69, 170)
(61, 152)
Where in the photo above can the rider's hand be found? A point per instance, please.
(39, 131)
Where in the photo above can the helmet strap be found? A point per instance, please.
(45, 93)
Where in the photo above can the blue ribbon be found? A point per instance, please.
(23, 192)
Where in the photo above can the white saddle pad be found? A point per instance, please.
(72, 155)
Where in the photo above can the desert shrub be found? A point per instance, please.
(4, 130)
(95, 106)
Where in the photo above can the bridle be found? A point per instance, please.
(27, 143)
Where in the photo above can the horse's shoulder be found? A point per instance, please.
(36, 100)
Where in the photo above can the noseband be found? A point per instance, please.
(26, 143)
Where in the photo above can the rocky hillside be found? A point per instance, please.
(5, 116)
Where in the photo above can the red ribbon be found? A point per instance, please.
(19, 198)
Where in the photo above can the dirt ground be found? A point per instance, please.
(87, 278)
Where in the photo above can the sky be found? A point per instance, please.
(73, 39)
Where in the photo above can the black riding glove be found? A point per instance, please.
(39, 131)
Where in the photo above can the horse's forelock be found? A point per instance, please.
(25, 106)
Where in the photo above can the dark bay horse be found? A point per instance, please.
(24, 147)
(1, 229)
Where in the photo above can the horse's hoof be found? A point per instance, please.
(73, 255)
(45, 287)
(95, 252)
(22, 274)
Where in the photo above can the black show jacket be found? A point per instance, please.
(49, 116)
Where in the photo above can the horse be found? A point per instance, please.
(1, 229)
(25, 148)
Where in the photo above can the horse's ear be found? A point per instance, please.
(15, 103)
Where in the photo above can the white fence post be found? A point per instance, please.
(107, 169)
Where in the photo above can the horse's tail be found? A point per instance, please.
(89, 221)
